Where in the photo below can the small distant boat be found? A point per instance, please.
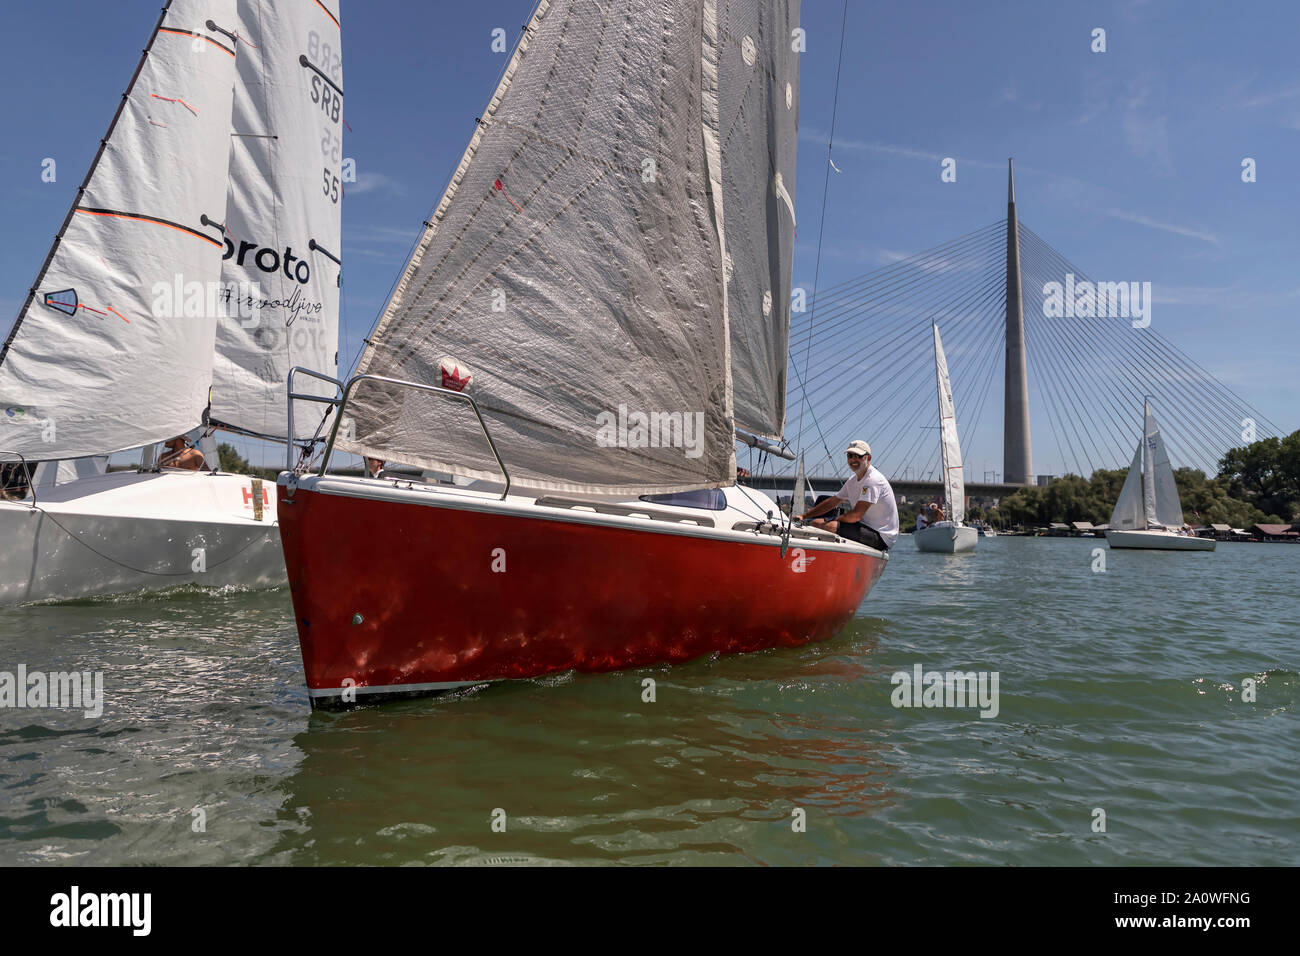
(986, 531)
(1148, 513)
(951, 536)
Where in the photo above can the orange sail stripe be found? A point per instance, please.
(187, 33)
(148, 219)
(327, 12)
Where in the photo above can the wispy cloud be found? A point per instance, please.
(1164, 226)
(382, 234)
(1145, 129)
(813, 135)
(373, 182)
(1010, 95)
(1279, 95)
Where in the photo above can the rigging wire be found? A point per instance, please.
(821, 226)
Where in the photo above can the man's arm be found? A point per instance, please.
(829, 504)
(859, 510)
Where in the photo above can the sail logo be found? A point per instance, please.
(60, 690)
(270, 261)
(952, 689)
(636, 429)
(1100, 300)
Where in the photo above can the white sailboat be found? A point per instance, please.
(627, 196)
(950, 536)
(198, 263)
(1148, 514)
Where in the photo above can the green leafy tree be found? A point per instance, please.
(232, 461)
(1266, 474)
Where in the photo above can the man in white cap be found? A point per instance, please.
(872, 518)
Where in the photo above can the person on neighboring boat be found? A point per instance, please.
(936, 513)
(872, 518)
(373, 467)
(13, 481)
(181, 453)
(922, 522)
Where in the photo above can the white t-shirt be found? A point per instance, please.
(873, 487)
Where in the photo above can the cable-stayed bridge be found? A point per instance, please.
(1030, 338)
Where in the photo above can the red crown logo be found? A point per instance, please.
(454, 379)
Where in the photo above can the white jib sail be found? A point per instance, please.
(1169, 510)
(1157, 488)
(954, 482)
(283, 218)
(758, 94)
(113, 347)
(574, 267)
(1128, 515)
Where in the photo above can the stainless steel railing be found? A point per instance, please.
(302, 396)
(341, 402)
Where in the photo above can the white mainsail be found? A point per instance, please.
(758, 92)
(1128, 513)
(283, 217)
(575, 266)
(954, 483)
(113, 348)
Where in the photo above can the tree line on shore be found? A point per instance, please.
(1258, 483)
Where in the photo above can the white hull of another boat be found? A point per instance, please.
(946, 538)
(126, 531)
(1155, 540)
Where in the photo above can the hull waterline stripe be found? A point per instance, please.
(139, 217)
(395, 688)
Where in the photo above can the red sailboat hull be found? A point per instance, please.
(396, 597)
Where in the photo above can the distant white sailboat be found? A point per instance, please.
(210, 175)
(1148, 513)
(950, 536)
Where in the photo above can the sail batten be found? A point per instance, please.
(574, 267)
(113, 348)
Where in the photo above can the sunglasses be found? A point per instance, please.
(851, 455)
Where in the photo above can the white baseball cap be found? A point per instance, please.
(859, 447)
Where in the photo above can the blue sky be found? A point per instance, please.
(1128, 161)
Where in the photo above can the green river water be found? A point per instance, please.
(1124, 691)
